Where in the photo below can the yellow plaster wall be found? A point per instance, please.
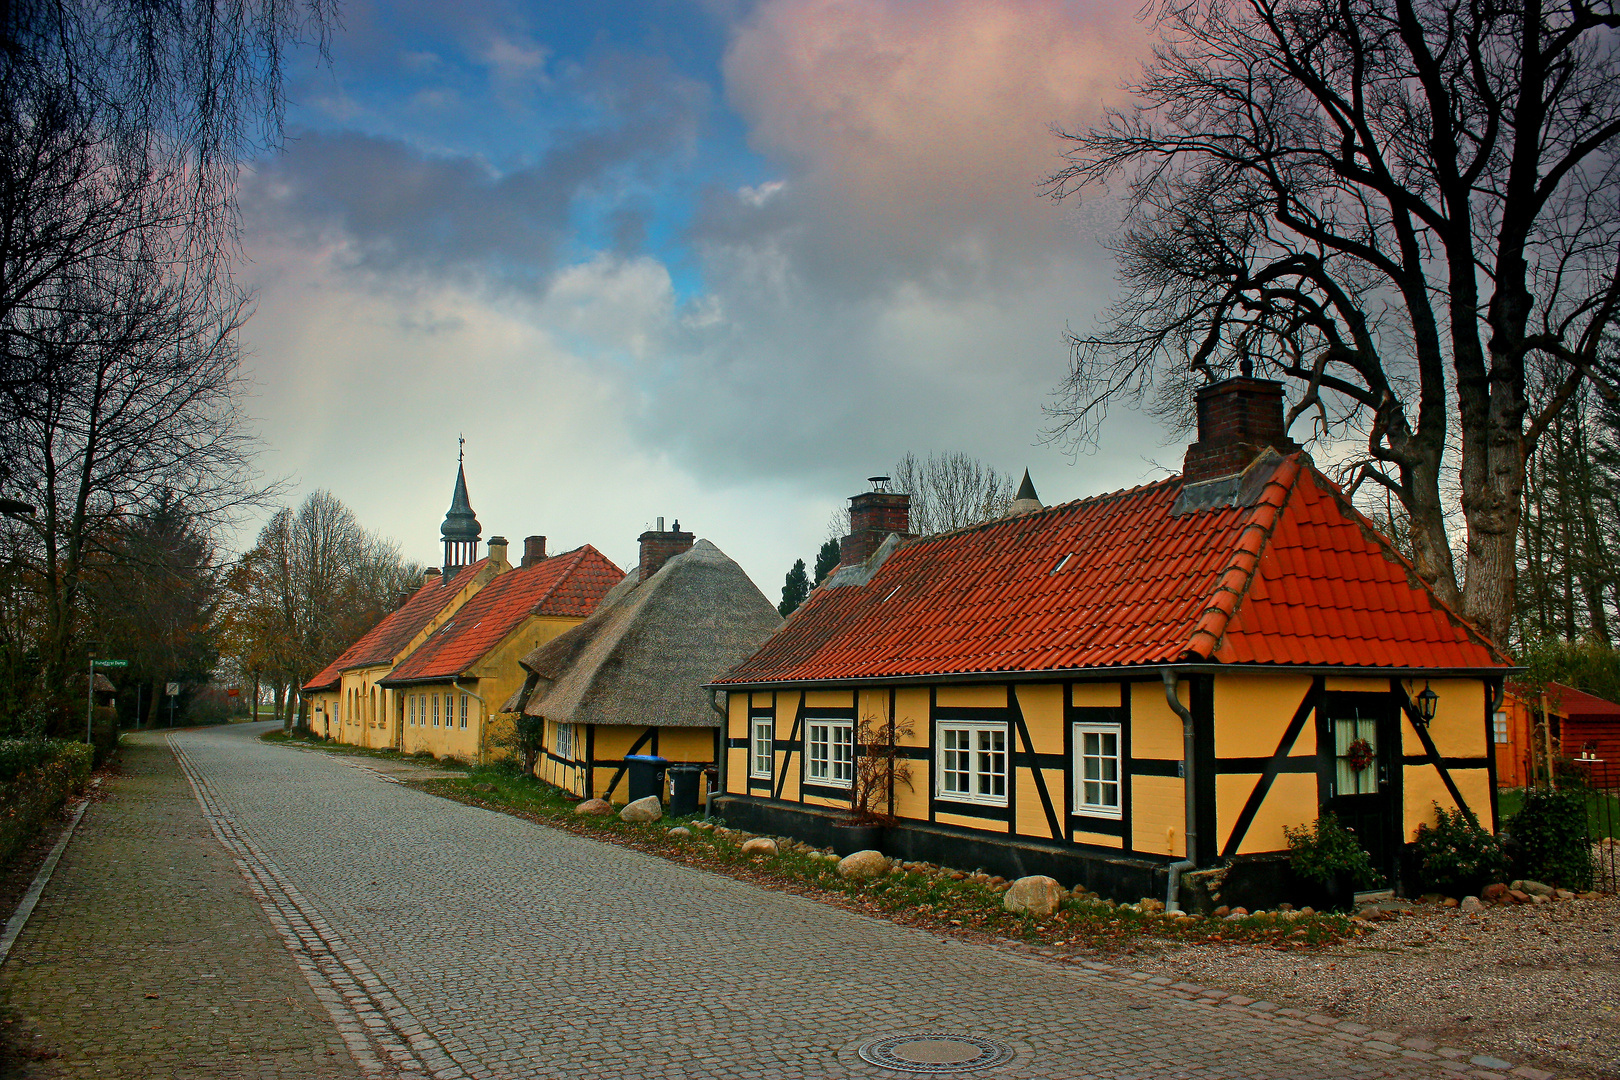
(1424, 788)
(1158, 812)
(1346, 685)
(968, 822)
(1098, 839)
(829, 699)
(441, 741)
(1155, 729)
(612, 743)
(1291, 802)
(1097, 695)
(1458, 728)
(1031, 815)
(790, 763)
(972, 697)
(1042, 706)
(1252, 712)
(323, 718)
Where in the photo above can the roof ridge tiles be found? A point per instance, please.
(1233, 583)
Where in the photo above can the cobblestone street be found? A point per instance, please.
(354, 926)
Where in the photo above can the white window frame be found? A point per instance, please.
(410, 709)
(837, 732)
(464, 712)
(565, 742)
(435, 699)
(1083, 808)
(761, 736)
(980, 739)
(1500, 735)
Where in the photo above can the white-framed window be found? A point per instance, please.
(435, 699)
(762, 752)
(410, 710)
(973, 762)
(829, 752)
(1097, 771)
(1499, 727)
(463, 712)
(565, 741)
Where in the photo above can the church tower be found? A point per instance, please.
(460, 530)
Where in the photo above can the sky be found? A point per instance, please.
(714, 261)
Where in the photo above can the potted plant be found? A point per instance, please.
(1328, 856)
(878, 771)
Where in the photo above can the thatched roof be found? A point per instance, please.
(645, 654)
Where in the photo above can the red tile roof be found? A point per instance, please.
(1566, 701)
(1297, 578)
(569, 585)
(383, 642)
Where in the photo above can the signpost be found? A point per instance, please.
(90, 696)
(173, 690)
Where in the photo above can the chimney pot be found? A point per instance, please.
(534, 550)
(1237, 420)
(497, 549)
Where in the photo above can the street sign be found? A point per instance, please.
(110, 663)
(171, 689)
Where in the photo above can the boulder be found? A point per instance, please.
(1221, 912)
(679, 830)
(1470, 903)
(648, 809)
(1150, 905)
(1518, 896)
(1036, 895)
(1534, 888)
(760, 845)
(864, 864)
(1494, 894)
(1450, 901)
(1564, 894)
(594, 808)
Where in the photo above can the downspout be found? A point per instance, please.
(725, 749)
(1172, 899)
(483, 716)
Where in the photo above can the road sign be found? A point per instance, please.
(171, 689)
(110, 663)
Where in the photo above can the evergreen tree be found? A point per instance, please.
(826, 559)
(794, 589)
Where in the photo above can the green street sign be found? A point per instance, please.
(110, 663)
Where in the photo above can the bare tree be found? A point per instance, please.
(1397, 206)
(951, 491)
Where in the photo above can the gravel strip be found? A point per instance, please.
(1536, 984)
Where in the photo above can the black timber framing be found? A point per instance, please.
(1280, 761)
(1409, 710)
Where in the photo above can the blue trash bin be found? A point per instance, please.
(646, 775)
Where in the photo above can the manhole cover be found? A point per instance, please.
(935, 1052)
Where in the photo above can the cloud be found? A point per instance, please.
(928, 115)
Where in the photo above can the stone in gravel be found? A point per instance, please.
(1470, 903)
(704, 825)
(1564, 894)
(1285, 906)
(1450, 901)
(864, 864)
(1240, 911)
(1307, 910)
(1037, 895)
(1534, 888)
(679, 830)
(1494, 894)
(760, 845)
(1221, 912)
(1150, 905)
(594, 808)
(1518, 896)
(648, 809)
(1537, 898)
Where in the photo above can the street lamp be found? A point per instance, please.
(90, 648)
(1426, 702)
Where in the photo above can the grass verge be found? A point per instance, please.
(930, 898)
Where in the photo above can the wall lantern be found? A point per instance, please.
(1426, 702)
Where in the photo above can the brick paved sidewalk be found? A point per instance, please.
(148, 957)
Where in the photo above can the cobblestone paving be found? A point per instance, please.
(148, 956)
(519, 951)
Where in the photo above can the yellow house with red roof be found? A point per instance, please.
(453, 683)
(346, 701)
(1121, 689)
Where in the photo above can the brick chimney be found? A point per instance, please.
(534, 551)
(873, 515)
(1237, 419)
(497, 549)
(658, 547)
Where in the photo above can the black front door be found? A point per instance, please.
(1360, 733)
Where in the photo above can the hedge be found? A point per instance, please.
(36, 778)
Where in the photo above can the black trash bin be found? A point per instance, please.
(646, 775)
(685, 782)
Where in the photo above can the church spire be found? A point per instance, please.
(461, 531)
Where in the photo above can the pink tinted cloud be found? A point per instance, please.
(929, 113)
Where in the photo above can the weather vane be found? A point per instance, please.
(461, 451)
